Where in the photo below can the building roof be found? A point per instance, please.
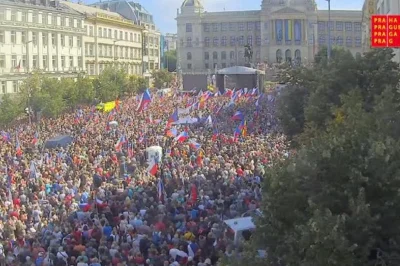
(91, 11)
(52, 7)
(192, 3)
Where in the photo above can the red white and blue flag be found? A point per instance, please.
(144, 101)
(238, 116)
(182, 137)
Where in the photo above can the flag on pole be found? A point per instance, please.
(144, 101)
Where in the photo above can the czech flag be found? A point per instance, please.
(120, 143)
(6, 136)
(153, 168)
(174, 117)
(215, 135)
(238, 116)
(172, 132)
(144, 101)
(182, 137)
(85, 207)
(194, 145)
(229, 92)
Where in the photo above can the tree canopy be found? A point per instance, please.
(336, 200)
(162, 78)
(170, 60)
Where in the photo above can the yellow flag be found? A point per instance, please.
(109, 106)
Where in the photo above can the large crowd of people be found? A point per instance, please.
(96, 201)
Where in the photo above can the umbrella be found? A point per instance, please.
(113, 123)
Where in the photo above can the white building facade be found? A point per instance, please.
(38, 36)
(170, 41)
(110, 40)
(282, 30)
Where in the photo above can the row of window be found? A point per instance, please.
(224, 41)
(130, 69)
(339, 26)
(228, 26)
(348, 41)
(20, 61)
(114, 34)
(20, 37)
(14, 84)
(107, 51)
(215, 65)
(232, 55)
(38, 17)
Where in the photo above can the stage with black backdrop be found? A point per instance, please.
(239, 77)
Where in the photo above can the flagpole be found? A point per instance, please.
(329, 30)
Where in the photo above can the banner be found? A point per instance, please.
(279, 29)
(297, 30)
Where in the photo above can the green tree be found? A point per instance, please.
(162, 78)
(135, 84)
(170, 60)
(10, 110)
(336, 201)
(111, 84)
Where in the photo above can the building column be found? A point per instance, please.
(49, 53)
(59, 52)
(96, 51)
(40, 50)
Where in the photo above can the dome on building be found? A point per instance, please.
(192, 3)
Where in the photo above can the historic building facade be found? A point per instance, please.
(110, 40)
(151, 35)
(283, 30)
(38, 35)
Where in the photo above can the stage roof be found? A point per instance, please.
(239, 70)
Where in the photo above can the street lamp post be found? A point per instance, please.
(329, 29)
(27, 71)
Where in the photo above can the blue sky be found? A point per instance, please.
(164, 11)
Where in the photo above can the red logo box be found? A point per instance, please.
(393, 31)
(379, 31)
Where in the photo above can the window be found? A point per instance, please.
(2, 14)
(206, 55)
(206, 66)
(258, 40)
(189, 42)
(14, 60)
(197, 42)
(115, 34)
(44, 39)
(131, 37)
(215, 41)
(126, 36)
(231, 55)
(241, 40)
(45, 18)
(223, 65)
(189, 66)
(13, 15)
(321, 26)
(215, 55)
(78, 23)
(224, 26)
(62, 37)
(349, 41)
(331, 25)
(34, 61)
(232, 26)
(3, 87)
(71, 61)
(206, 27)
(241, 26)
(250, 40)
(258, 25)
(23, 37)
(348, 26)
(206, 42)
(357, 26)
(250, 25)
(13, 37)
(78, 42)
(121, 35)
(322, 39)
(109, 33)
(339, 41)
(34, 17)
(223, 55)
(54, 20)
(215, 27)
(34, 38)
(358, 42)
(53, 39)
(233, 41)
(80, 61)
(2, 61)
(1, 36)
(62, 61)
(23, 61)
(100, 32)
(54, 61)
(189, 56)
(189, 27)
(223, 41)
(339, 26)
(23, 16)
(44, 61)
(15, 86)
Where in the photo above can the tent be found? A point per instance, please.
(59, 141)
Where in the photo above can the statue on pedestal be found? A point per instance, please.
(248, 53)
